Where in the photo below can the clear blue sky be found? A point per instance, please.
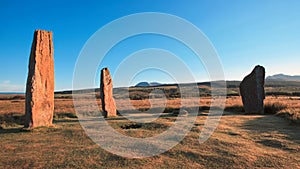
(244, 32)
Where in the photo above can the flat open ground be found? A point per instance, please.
(240, 141)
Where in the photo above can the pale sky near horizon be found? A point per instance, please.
(244, 33)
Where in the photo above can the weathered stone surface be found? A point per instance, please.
(106, 94)
(253, 92)
(40, 82)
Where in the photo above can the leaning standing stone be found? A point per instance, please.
(40, 82)
(106, 94)
(253, 92)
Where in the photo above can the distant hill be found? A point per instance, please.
(229, 84)
(146, 84)
(282, 77)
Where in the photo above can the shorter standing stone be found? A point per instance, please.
(253, 92)
(106, 94)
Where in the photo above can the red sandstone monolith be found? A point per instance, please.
(106, 94)
(253, 92)
(40, 82)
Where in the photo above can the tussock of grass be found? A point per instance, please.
(11, 120)
(269, 108)
(235, 108)
(290, 114)
(274, 108)
(131, 126)
(64, 115)
(16, 119)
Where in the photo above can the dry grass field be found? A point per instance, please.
(240, 141)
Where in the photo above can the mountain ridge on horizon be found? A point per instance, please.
(275, 77)
(283, 77)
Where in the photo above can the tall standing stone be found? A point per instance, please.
(106, 94)
(40, 82)
(253, 92)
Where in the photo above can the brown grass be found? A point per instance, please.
(240, 141)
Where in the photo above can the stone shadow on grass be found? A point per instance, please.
(273, 130)
(10, 130)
